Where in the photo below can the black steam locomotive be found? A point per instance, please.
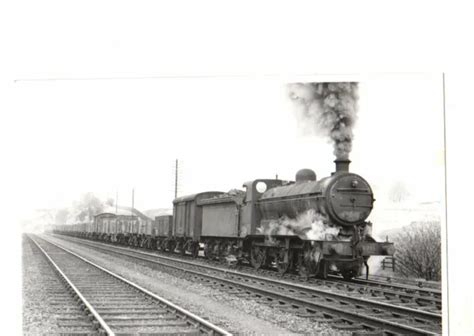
(314, 227)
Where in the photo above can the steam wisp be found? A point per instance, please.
(309, 225)
(330, 109)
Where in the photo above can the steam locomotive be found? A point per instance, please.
(314, 227)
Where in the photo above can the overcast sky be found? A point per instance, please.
(105, 136)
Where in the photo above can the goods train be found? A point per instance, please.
(314, 227)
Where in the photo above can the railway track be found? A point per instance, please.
(117, 306)
(406, 282)
(426, 299)
(65, 315)
(402, 295)
(407, 295)
(335, 306)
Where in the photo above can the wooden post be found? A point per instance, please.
(176, 180)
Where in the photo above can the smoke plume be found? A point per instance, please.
(330, 109)
(309, 225)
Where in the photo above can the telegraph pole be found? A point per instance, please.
(133, 201)
(176, 180)
(116, 202)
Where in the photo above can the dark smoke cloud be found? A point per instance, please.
(330, 109)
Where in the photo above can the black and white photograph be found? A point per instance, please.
(263, 205)
(166, 187)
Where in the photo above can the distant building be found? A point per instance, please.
(125, 217)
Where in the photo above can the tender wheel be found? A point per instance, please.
(283, 261)
(257, 257)
(224, 250)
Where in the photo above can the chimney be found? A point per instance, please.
(342, 165)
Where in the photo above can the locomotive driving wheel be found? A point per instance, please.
(304, 269)
(348, 275)
(283, 260)
(306, 266)
(257, 257)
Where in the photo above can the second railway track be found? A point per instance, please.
(116, 305)
(359, 314)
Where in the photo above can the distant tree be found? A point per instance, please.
(418, 251)
(398, 192)
(61, 216)
(46, 215)
(110, 202)
(88, 206)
